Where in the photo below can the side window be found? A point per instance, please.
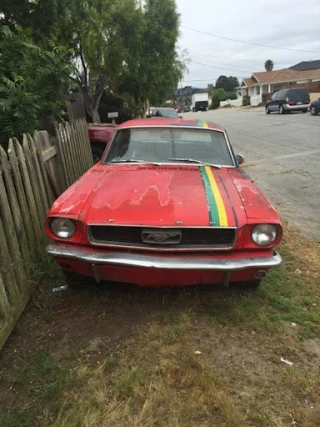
(274, 96)
(280, 94)
(284, 94)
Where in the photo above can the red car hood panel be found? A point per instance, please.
(257, 206)
(157, 196)
(164, 196)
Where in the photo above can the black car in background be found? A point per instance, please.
(287, 100)
(201, 106)
(315, 107)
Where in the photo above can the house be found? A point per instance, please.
(261, 85)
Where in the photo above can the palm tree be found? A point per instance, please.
(268, 65)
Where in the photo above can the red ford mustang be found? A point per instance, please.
(168, 205)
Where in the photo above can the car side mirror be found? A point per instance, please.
(240, 159)
(180, 117)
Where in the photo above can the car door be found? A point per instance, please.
(282, 97)
(279, 100)
(272, 105)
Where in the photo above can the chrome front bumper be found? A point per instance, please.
(165, 262)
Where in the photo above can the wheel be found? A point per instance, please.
(304, 111)
(267, 110)
(313, 111)
(281, 110)
(97, 153)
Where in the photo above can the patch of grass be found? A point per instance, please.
(126, 383)
(43, 382)
(175, 388)
(264, 419)
(109, 364)
(160, 317)
(283, 297)
(14, 417)
(42, 375)
(174, 332)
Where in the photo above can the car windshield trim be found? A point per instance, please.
(134, 161)
(200, 162)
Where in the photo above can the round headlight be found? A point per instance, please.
(62, 227)
(264, 234)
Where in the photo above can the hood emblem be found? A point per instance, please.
(161, 237)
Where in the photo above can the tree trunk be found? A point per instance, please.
(92, 100)
(95, 116)
(90, 105)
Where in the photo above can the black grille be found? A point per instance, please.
(190, 237)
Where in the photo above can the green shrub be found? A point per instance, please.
(246, 101)
(221, 95)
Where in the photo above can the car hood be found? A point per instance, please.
(166, 195)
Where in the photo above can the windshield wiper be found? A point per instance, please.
(134, 161)
(178, 159)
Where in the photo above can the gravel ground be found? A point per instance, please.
(282, 155)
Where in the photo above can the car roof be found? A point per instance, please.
(167, 122)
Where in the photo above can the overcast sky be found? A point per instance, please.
(293, 24)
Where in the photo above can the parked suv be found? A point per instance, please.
(287, 100)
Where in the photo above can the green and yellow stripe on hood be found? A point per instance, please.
(217, 210)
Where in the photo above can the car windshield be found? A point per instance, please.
(170, 145)
(165, 112)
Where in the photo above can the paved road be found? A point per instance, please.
(282, 154)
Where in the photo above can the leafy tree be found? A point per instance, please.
(106, 42)
(268, 65)
(32, 83)
(45, 18)
(227, 83)
(159, 68)
(162, 69)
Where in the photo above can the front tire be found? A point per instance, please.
(267, 110)
(281, 110)
(313, 111)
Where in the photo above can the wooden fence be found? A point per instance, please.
(32, 175)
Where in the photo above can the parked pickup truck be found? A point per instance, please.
(100, 135)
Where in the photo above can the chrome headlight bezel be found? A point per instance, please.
(264, 235)
(63, 228)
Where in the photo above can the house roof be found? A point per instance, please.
(306, 65)
(280, 76)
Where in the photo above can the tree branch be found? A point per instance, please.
(85, 69)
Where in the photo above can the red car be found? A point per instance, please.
(100, 135)
(168, 205)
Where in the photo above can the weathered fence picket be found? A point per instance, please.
(32, 175)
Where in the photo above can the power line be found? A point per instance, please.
(251, 43)
(219, 64)
(220, 68)
(227, 57)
